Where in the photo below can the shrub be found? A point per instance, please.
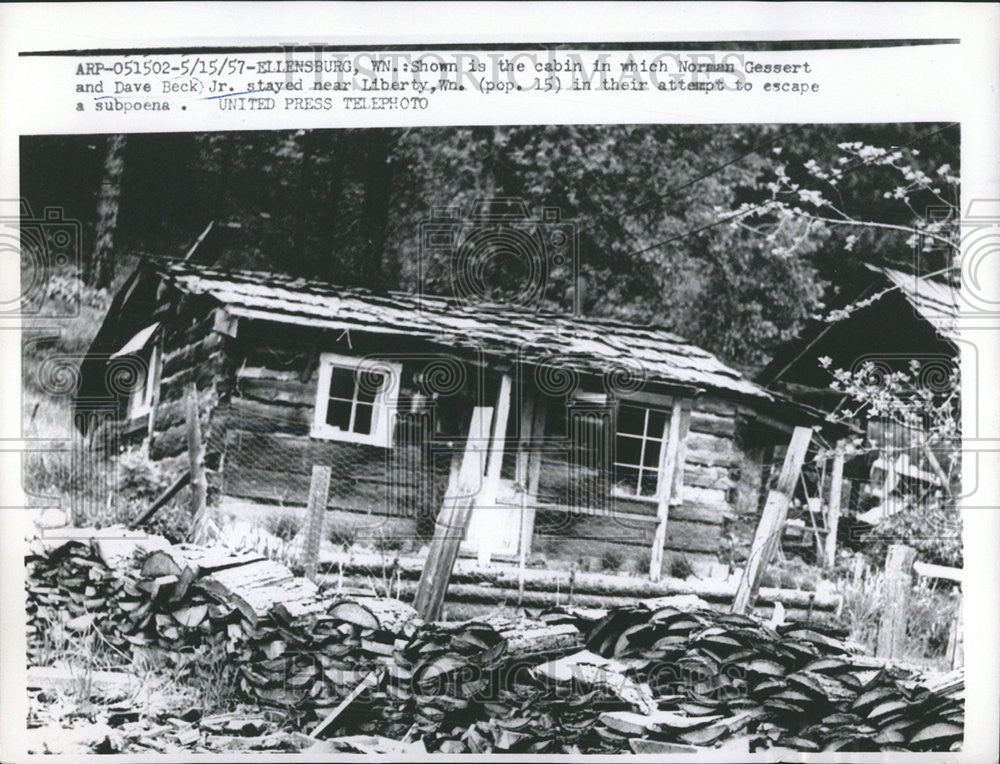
(680, 566)
(284, 525)
(611, 559)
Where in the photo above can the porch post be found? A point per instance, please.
(665, 488)
(488, 496)
(453, 520)
(833, 511)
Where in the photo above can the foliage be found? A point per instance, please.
(611, 559)
(284, 525)
(657, 208)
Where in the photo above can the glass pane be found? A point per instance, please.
(369, 384)
(648, 485)
(627, 449)
(626, 478)
(363, 418)
(338, 413)
(657, 420)
(631, 419)
(652, 456)
(341, 383)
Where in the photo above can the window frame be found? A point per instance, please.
(383, 404)
(644, 439)
(144, 408)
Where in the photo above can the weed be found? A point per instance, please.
(611, 559)
(284, 525)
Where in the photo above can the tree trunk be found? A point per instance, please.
(102, 262)
(375, 212)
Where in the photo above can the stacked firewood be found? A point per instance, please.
(660, 676)
(655, 679)
(294, 648)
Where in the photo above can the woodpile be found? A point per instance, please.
(654, 678)
(295, 649)
(658, 676)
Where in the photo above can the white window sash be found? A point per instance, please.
(383, 407)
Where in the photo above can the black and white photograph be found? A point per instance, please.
(584, 385)
(543, 439)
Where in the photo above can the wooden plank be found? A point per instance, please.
(928, 570)
(487, 518)
(372, 680)
(892, 623)
(319, 489)
(665, 488)
(171, 491)
(453, 520)
(681, 475)
(772, 521)
(196, 462)
(833, 507)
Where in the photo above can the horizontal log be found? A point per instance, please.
(186, 355)
(715, 406)
(703, 476)
(796, 603)
(270, 417)
(712, 424)
(277, 391)
(170, 413)
(204, 374)
(702, 441)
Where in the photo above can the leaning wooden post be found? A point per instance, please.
(196, 459)
(667, 466)
(453, 520)
(833, 511)
(494, 465)
(898, 580)
(772, 521)
(319, 491)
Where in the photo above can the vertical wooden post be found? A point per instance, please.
(487, 496)
(665, 486)
(196, 458)
(767, 539)
(833, 509)
(898, 579)
(453, 520)
(319, 491)
(955, 637)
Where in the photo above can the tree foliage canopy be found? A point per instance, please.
(659, 210)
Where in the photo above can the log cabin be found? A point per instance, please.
(591, 434)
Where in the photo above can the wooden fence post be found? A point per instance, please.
(898, 580)
(319, 491)
(453, 520)
(772, 521)
(833, 512)
(196, 459)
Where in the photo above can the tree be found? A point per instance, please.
(102, 263)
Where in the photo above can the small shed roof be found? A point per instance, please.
(589, 345)
(934, 300)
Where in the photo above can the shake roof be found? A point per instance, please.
(607, 347)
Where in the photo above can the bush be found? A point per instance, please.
(680, 566)
(284, 525)
(611, 559)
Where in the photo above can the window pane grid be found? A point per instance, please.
(640, 478)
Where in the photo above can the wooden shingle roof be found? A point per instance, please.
(592, 346)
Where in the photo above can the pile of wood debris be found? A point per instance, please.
(660, 676)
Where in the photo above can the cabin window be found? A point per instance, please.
(638, 440)
(140, 400)
(355, 399)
